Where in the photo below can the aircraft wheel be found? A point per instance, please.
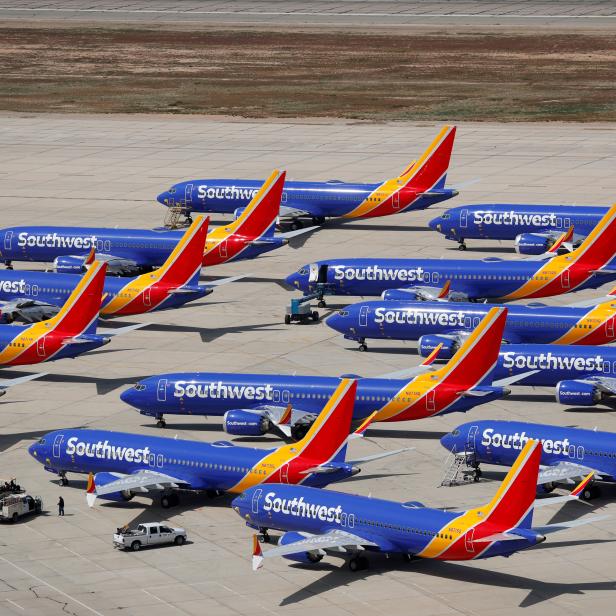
(357, 563)
(314, 558)
(296, 224)
(263, 537)
(63, 480)
(318, 220)
(590, 492)
(287, 319)
(161, 423)
(462, 246)
(322, 304)
(168, 500)
(315, 316)
(363, 347)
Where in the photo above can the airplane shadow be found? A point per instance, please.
(538, 590)
(586, 410)
(531, 398)
(362, 477)
(408, 434)
(488, 249)
(394, 351)
(341, 224)
(8, 440)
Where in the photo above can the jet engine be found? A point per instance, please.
(300, 557)
(69, 265)
(533, 243)
(579, 393)
(428, 343)
(240, 422)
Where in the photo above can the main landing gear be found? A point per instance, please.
(263, 536)
(9, 265)
(358, 563)
(590, 492)
(160, 423)
(170, 499)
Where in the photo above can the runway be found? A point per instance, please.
(94, 170)
(373, 13)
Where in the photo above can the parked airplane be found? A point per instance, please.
(467, 279)
(130, 251)
(566, 453)
(320, 521)
(419, 186)
(457, 280)
(69, 333)
(447, 324)
(534, 228)
(253, 404)
(33, 296)
(126, 464)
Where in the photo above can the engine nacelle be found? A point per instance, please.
(101, 479)
(400, 295)
(300, 557)
(532, 244)
(578, 393)
(69, 265)
(238, 212)
(428, 343)
(245, 423)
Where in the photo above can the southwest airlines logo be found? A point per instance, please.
(53, 240)
(548, 361)
(228, 192)
(298, 507)
(490, 438)
(375, 272)
(412, 317)
(105, 451)
(14, 286)
(512, 218)
(219, 390)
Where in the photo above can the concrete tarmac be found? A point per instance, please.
(106, 170)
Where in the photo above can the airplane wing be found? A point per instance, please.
(338, 540)
(286, 211)
(606, 384)
(30, 310)
(141, 481)
(566, 471)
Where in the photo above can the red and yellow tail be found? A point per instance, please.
(599, 247)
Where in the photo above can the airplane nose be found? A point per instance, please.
(293, 280)
(163, 198)
(337, 322)
(435, 224)
(129, 397)
(32, 450)
(448, 441)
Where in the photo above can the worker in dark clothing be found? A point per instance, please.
(60, 506)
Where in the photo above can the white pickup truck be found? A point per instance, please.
(150, 533)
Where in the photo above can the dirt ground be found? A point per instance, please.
(394, 75)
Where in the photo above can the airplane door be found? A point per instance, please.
(222, 249)
(470, 440)
(468, 540)
(564, 279)
(284, 474)
(8, 238)
(431, 401)
(609, 327)
(255, 500)
(56, 445)
(313, 275)
(463, 219)
(396, 200)
(40, 346)
(161, 390)
(363, 316)
(567, 223)
(147, 299)
(188, 194)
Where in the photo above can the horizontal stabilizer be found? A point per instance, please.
(110, 333)
(554, 528)
(6, 383)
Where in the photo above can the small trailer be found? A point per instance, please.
(18, 505)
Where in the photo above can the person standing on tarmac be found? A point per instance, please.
(61, 506)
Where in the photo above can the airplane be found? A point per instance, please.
(70, 333)
(121, 465)
(320, 522)
(419, 186)
(448, 323)
(566, 453)
(588, 266)
(132, 251)
(534, 228)
(31, 296)
(255, 404)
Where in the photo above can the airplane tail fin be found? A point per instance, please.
(327, 438)
(183, 265)
(258, 220)
(474, 361)
(512, 505)
(599, 247)
(79, 314)
(430, 171)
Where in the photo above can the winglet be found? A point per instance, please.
(565, 237)
(257, 554)
(445, 290)
(91, 490)
(90, 258)
(285, 419)
(577, 491)
(432, 357)
(361, 429)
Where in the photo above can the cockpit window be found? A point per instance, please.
(172, 190)
(41, 441)
(139, 387)
(456, 432)
(446, 216)
(343, 313)
(302, 271)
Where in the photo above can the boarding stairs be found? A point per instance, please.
(459, 469)
(177, 217)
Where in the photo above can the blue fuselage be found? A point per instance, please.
(504, 221)
(500, 442)
(201, 466)
(473, 279)
(404, 320)
(317, 199)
